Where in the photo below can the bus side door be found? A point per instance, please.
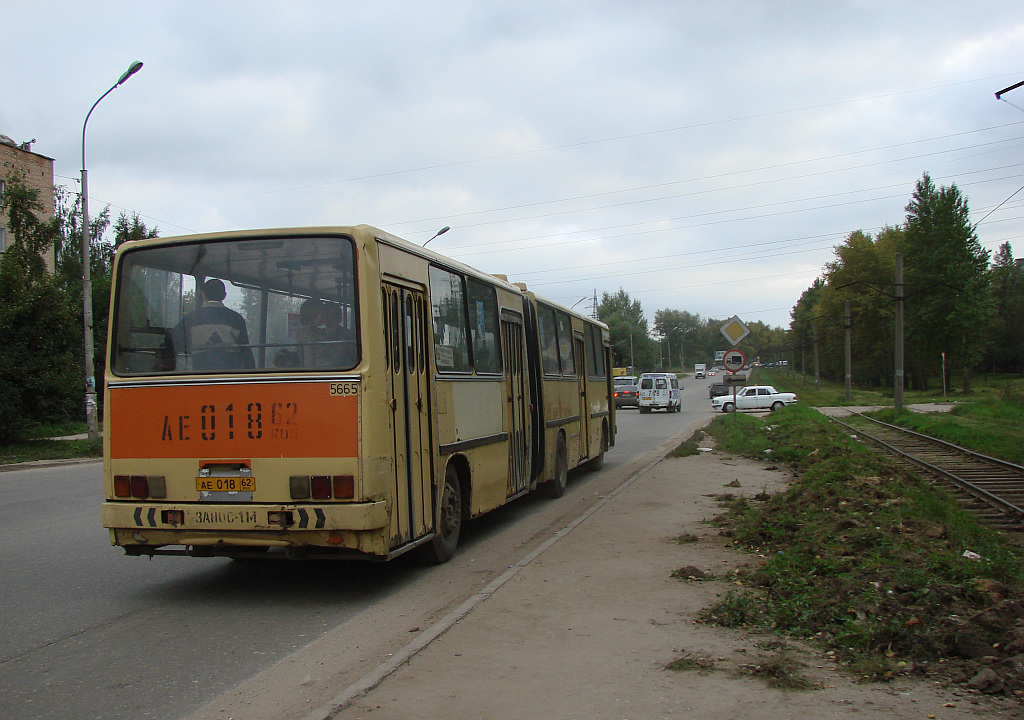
(581, 378)
(405, 327)
(514, 356)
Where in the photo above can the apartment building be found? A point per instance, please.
(37, 173)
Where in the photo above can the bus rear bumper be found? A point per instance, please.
(208, 525)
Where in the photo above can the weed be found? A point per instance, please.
(685, 539)
(691, 663)
(780, 671)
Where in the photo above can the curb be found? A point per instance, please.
(35, 464)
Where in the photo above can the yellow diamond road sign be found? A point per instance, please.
(734, 330)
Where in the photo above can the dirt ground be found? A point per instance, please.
(586, 628)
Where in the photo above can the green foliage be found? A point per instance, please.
(631, 345)
(1005, 350)
(45, 449)
(856, 554)
(40, 376)
(948, 287)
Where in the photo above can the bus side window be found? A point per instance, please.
(448, 309)
(565, 349)
(548, 339)
(483, 327)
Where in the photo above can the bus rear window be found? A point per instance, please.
(240, 305)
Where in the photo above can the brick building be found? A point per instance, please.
(37, 172)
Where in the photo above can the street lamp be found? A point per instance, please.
(682, 365)
(90, 368)
(442, 231)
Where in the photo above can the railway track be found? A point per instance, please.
(992, 489)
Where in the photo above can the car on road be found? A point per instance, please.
(717, 389)
(624, 380)
(753, 397)
(659, 391)
(627, 396)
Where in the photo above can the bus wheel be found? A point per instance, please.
(449, 524)
(555, 487)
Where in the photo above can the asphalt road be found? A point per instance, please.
(87, 632)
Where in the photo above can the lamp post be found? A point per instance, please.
(682, 365)
(90, 368)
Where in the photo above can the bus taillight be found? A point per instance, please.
(122, 486)
(320, 487)
(344, 487)
(140, 486)
(299, 487)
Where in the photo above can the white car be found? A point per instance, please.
(753, 397)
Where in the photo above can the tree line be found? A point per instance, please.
(42, 343)
(963, 310)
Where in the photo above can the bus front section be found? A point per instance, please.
(233, 401)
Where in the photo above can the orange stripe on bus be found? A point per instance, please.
(259, 420)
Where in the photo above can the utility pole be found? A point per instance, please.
(897, 391)
(849, 356)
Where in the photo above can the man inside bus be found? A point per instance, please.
(214, 335)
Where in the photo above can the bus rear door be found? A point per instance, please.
(409, 398)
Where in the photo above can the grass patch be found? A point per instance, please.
(30, 450)
(860, 555)
(40, 445)
(690, 446)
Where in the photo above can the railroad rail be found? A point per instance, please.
(990, 488)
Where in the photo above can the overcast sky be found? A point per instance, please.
(704, 157)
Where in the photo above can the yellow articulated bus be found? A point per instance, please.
(334, 392)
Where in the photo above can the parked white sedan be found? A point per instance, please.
(753, 397)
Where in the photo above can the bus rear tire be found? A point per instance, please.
(449, 521)
(555, 487)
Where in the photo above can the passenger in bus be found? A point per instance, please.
(315, 341)
(214, 336)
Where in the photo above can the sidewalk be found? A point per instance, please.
(584, 627)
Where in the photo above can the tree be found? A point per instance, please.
(676, 328)
(1006, 349)
(949, 300)
(40, 345)
(631, 345)
(101, 259)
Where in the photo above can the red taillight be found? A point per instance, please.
(140, 486)
(122, 486)
(344, 487)
(320, 487)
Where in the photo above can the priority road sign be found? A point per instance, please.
(734, 330)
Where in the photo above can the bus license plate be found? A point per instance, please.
(226, 484)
